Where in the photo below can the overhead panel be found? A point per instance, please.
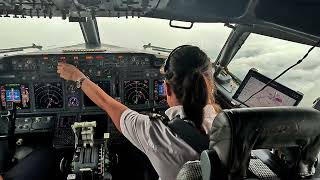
(76, 8)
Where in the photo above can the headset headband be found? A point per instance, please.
(164, 68)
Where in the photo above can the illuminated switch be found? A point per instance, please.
(98, 73)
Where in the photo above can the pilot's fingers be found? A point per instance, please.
(59, 71)
(67, 67)
(61, 63)
(63, 77)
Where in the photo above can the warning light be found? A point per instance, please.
(99, 57)
(89, 57)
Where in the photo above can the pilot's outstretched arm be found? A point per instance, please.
(94, 92)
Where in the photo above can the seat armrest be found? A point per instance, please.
(211, 166)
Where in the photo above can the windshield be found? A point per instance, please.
(49, 33)
(130, 33)
(134, 33)
(271, 56)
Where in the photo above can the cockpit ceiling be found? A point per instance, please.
(299, 15)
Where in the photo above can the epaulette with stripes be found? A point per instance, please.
(158, 117)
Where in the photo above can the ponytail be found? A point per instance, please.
(189, 72)
(194, 97)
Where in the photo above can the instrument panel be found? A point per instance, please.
(46, 103)
(30, 83)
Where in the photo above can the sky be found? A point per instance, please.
(270, 56)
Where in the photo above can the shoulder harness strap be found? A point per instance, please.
(158, 117)
(186, 130)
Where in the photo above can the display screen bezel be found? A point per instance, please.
(147, 82)
(36, 106)
(18, 86)
(156, 93)
(253, 73)
(86, 100)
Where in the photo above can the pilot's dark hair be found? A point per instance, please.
(188, 70)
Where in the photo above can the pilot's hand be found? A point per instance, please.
(69, 72)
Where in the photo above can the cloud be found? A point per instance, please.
(134, 33)
(45, 32)
(269, 55)
(272, 56)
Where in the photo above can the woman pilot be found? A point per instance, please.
(190, 94)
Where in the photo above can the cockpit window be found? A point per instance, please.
(271, 56)
(136, 32)
(49, 33)
(130, 33)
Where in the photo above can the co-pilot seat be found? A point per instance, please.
(235, 133)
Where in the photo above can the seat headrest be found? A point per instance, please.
(236, 132)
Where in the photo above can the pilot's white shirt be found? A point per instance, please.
(166, 151)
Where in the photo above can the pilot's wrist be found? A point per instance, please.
(80, 81)
(78, 76)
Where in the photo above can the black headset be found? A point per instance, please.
(165, 66)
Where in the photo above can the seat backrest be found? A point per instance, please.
(236, 132)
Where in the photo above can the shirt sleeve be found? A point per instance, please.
(166, 152)
(135, 127)
(147, 135)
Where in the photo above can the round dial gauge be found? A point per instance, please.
(73, 101)
(48, 95)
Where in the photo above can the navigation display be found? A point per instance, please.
(136, 92)
(273, 95)
(14, 95)
(160, 97)
(105, 86)
(48, 95)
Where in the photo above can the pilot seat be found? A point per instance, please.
(259, 143)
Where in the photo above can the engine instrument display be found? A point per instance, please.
(14, 95)
(48, 95)
(160, 97)
(136, 92)
(105, 86)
